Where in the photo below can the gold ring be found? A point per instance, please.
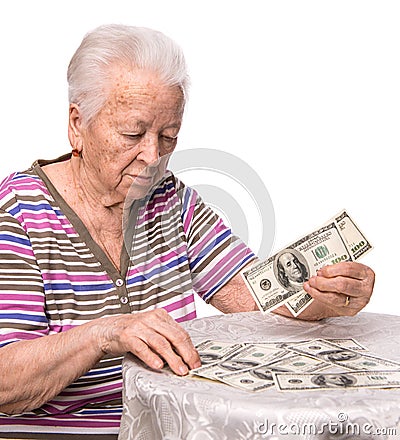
(347, 302)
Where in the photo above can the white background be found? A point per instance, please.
(306, 92)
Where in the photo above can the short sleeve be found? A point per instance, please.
(215, 253)
(22, 301)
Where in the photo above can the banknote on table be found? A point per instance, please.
(279, 279)
(261, 378)
(213, 351)
(273, 344)
(343, 357)
(297, 363)
(254, 379)
(249, 356)
(350, 343)
(349, 380)
(253, 366)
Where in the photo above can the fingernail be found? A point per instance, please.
(183, 370)
(197, 364)
(306, 285)
(158, 364)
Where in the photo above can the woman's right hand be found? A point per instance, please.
(153, 336)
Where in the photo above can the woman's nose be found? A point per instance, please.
(150, 150)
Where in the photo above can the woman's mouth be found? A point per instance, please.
(141, 180)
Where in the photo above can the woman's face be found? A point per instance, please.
(138, 124)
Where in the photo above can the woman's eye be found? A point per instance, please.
(169, 138)
(168, 144)
(134, 135)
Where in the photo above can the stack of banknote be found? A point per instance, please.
(279, 279)
(302, 365)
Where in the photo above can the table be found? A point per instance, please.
(161, 405)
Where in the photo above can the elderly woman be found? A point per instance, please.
(74, 296)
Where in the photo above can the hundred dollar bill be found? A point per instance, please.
(247, 357)
(350, 343)
(356, 244)
(274, 281)
(297, 362)
(213, 351)
(273, 344)
(354, 239)
(279, 279)
(255, 379)
(261, 378)
(298, 303)
(343, 357)
(352, 380)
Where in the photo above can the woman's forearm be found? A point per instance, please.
(33, 372)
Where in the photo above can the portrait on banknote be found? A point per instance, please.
(340, 355)
(333, 380)
(262, 373)
(291, 269)
(266, 373)
(236, 365)
(209, 358)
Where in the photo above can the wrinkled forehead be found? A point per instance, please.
(131, 86)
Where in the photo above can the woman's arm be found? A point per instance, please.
(329, 288)
(35, 371)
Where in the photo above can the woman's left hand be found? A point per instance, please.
(344, 288)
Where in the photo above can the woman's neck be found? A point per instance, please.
(102, 220)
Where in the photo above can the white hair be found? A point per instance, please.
(134, 47)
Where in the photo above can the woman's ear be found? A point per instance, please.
(75, 128)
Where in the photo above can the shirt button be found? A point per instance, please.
(119, 282)
(124, 300)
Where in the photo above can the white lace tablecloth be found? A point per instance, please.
(161, 405)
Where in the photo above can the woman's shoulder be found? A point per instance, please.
(21, 185)
(171, 181)
(31, 181)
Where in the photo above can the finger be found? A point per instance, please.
(140, 349)
(344, 285)
(153, 348)
(349, 269)
(178, 339)
(183, 345)
(337, 302)
(160, 345)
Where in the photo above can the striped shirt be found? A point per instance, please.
(54, 276)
